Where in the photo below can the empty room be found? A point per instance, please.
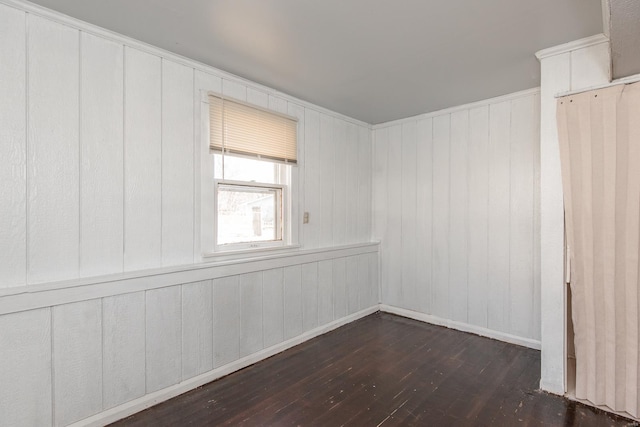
(319, 213)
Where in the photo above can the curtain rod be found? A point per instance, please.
(623, 81)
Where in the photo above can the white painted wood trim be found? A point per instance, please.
(137, 405)
(460, 326)
(622, 81)
(553, 388)
(573, 45)
(482, 103)
(14, 300)
(130, 42)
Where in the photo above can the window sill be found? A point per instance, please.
(248, 253)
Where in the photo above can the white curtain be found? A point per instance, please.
(599, 135)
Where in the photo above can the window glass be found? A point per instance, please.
(248, 214)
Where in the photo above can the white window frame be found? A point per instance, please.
(209, 249)
(282, 212)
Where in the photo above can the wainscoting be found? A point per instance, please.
(456, 208)
(90, 352)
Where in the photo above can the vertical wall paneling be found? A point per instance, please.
(257, 97)
(309, 296)
(325, 292)
(339, 223)
(312, 179)
(363, 161)
(102, 151)
(226, 320)
(521, 274)
(297, 172)
(478, 248)
(408, 190)
(441, 218)
(467, 217)
(77, 360)
(123, 364)
(53, 147)
(499, 215)
(233, 89)
(25, 368)
(380, 182)
(351, 183)
(555, 74)
(327, 152)
(590, 67)
(163, 337)
(424, 205)
(393, 257)
(197, 329)
(339, 288)
(374, 275)
(352, 284)
(278, 104)
(292, 301)
(251, 313)
(143, 160)
(273, 306)
(13, 203)
(203, 174)
(458, 205)
(363, 282)
(536, 225)
(177, 164)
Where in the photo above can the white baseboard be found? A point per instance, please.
(146, 401)
(460, 326)
(552, 387)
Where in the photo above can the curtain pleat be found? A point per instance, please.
(599, 133)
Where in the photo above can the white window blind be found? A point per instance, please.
(240, 129)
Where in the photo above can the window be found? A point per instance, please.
(253, 152)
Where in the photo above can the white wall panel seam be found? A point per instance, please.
(162, 261)
(53, 370)
(102, 352)
(196, 171)
(467, 204)
(400, 207)
(431, 205)
(124, 155)
(487, 258)
(146, 385)
(26, 145)
(80, 174)
(509, 323)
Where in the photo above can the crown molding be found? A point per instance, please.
(574, 45)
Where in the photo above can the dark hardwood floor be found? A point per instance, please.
(382, 370)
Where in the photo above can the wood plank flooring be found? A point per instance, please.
(382, 370)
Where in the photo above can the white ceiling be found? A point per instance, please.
(374, 60)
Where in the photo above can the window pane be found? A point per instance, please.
(248, 214)
(242, 169)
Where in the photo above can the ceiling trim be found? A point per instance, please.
(95, 30)
(484, 102)
(574, 45)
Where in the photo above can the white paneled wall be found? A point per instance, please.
(102, 174)
(456, 207)
(105, 352)
(103, 147)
